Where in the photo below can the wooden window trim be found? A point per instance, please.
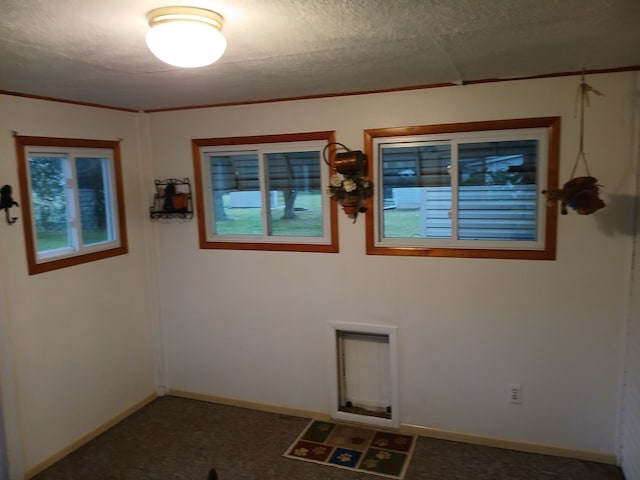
(197, 144)
(22, 142)
(552, 124)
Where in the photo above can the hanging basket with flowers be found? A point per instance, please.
(349, 185)
(350, 191)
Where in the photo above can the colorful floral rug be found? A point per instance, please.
(363, 449)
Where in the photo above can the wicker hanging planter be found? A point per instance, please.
(579, 193)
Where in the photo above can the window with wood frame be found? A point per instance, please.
(264, 193)
(72, 195)
(464, 190)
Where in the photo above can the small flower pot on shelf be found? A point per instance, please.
(179, 201)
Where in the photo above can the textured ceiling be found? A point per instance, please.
(93, 51)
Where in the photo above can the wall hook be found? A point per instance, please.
(6, 202)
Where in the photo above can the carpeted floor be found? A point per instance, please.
(175, 438)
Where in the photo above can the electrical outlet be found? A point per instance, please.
(515, 393)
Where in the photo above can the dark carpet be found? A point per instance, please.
(176, 438)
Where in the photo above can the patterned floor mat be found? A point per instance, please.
(378, 452)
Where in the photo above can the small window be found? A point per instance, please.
(73, 190)
(464, 190)
(264, 193)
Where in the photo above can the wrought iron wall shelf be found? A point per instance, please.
(172, 199)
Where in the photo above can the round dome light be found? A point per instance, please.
(186, 37)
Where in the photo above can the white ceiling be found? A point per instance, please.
(94, 51)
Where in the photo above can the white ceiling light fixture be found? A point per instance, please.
(186, 37)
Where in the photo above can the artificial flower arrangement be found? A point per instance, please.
(350, 191)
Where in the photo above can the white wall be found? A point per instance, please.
(79, 338)
(77, 344)
(631, 398)
(631, 401)
(252, 325)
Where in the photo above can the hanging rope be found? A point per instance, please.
(579, 193)
(582, 99)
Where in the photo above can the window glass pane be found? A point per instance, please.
(497, 190)
(264, 193)
(417, 191)
(94, 200)
(49, 200)
(294, 194)
(74, 191)
(479, 189)
(237, 200)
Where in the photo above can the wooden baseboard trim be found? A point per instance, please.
(509, 444)
(33, 471)
(414, 429)
(263, 407)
